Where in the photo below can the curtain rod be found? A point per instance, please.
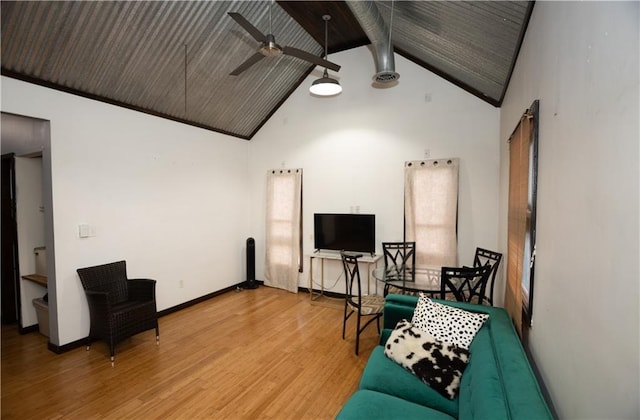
(527, 114)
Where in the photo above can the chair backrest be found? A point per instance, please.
(402, 255)
(353, 291)
(111, 278)
(491, 258)
(467, 284)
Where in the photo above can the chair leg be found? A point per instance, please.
(157, 335)
(112, 353)
(344, 320)
(358, 334)
(88, 343)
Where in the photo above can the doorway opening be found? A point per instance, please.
(27, 223)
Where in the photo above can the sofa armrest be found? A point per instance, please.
(523, 393)
(407, 300)
(398, 307)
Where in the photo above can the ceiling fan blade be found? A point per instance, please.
(253, 31)
(310, 58)
(248, 63)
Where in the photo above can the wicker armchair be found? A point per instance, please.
(119, 307)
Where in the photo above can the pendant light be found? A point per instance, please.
(325, 86)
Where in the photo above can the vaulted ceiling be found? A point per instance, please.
(173, 58)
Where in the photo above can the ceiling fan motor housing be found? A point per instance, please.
(270, 48)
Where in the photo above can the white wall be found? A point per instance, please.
(581, 61)
(168, 198)
(352, 148)
(31, 231)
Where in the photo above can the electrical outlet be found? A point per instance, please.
(84, 230)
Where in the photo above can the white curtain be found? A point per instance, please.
(431, 212)
(283, 241)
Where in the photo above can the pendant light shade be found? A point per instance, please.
(325, 86)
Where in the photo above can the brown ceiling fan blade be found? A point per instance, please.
(310, 58)
(253, 31)
(248, 63)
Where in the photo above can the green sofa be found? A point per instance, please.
(498, 382)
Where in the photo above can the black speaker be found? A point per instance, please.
(251, 264)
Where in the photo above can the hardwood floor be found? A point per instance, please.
(254, 354)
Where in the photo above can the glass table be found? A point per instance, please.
(425, 279)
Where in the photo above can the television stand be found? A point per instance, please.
(369, 260)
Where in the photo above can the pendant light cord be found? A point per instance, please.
(326, 19)
(326, 37)
(185, 80)
(270, 23)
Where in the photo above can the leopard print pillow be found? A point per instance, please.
(447, 323)
(437, 364)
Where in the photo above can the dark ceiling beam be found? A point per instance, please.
(514, 60)
(344, 31)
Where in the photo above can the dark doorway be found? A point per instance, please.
(10, 285)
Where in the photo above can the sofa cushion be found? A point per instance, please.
(436, 363)
(481, 392)
(523, 395)
(383, 375)
(447, 323)
(366, 404)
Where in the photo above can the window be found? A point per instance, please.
(283, 229)
(431, 212)
(523, 168)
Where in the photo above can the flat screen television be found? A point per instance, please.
(349, 232)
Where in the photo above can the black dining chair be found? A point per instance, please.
(464, 284)
(400, 257)
(492, 259)
(355, 302)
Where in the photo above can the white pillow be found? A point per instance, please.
(447, 323)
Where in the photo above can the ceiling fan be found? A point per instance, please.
(269, 47)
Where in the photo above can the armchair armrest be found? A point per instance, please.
(98, 301)
(142, 289)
